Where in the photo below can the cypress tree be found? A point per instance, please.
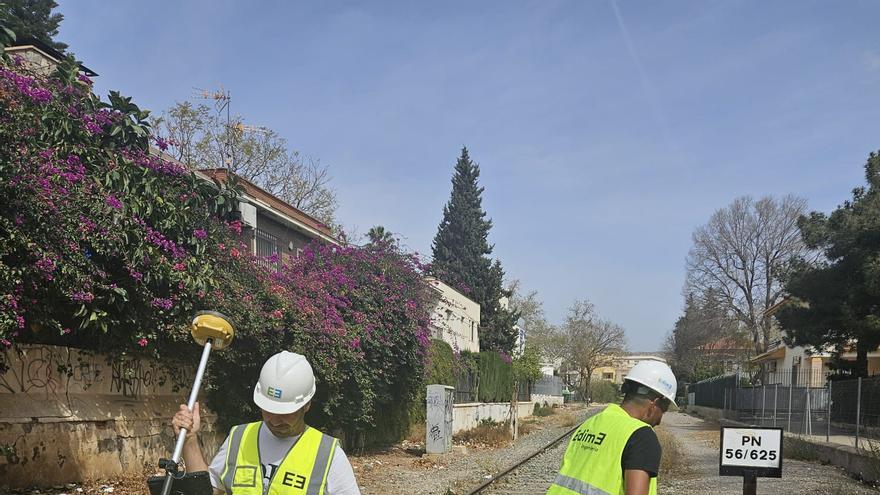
(461, 256)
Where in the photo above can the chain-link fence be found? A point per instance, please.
(840, 410)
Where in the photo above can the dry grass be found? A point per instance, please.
(673, 462)
(417, 433)
(527, 426)
(567, 418)
(487, 434)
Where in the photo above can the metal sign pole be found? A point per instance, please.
(790, 391)
(763, 402)
(775, 402)
(858, 410)
(828, 418)
(750, 483)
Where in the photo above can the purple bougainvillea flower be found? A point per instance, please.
(113, 201)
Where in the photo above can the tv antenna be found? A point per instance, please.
(222, 99)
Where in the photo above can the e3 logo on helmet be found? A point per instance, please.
(274, 392)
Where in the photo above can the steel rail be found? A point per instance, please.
(523, 461)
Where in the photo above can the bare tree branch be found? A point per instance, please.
(740, 254)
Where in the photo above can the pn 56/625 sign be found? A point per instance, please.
(751, 451)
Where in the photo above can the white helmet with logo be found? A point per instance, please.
(286, 384)
(655, 375)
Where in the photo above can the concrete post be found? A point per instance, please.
(438, 430)
(808, 419)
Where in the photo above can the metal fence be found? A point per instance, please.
(548, 385)
(834, 409)
(467, 389)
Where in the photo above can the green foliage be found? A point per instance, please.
(496, 378)
(604, 391)
(543, 410)
(704, 330)
(527, 367)
(34, 18)
(834, 301)
(441, 365)
(7, 36)
(461, 257)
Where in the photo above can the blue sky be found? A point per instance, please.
(603, 140)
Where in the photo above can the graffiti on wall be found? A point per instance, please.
(55, 370)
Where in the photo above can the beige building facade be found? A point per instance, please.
(455, 318)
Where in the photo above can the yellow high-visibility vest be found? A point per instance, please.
(302, 472)
(591, 465)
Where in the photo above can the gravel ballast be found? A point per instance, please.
(696, 470)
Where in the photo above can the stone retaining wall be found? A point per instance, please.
(67, 415)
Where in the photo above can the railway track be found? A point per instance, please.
(531, 475)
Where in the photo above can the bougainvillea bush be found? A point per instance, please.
(106, 245)
(101, 242)
(360, 314)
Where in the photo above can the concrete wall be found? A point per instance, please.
(709, 413)
(68, 415)
(467, 416)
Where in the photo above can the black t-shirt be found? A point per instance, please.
(642, 452)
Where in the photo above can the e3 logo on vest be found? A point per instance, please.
(274, 392)
(589, 437)
(297, 481)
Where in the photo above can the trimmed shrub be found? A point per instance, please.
(496, 378)
(604, 391)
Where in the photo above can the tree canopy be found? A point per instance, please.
(461, 257)
(740, 255)
(833, 302)
(200, 137)
(34, 18)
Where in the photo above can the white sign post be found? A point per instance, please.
(750, 453)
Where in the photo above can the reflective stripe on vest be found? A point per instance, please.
(592, 459)
(577, 486)
(303, 471)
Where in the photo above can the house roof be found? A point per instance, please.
(256, 192)
(30, 41)
(771, 355)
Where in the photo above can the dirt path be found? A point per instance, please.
(696, 471)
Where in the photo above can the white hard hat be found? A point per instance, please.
(286, 383)
(655, 375)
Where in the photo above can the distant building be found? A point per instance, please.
(455, 318)
(619, 366)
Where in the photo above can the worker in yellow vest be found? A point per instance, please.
(279, 455)
(616, 452)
